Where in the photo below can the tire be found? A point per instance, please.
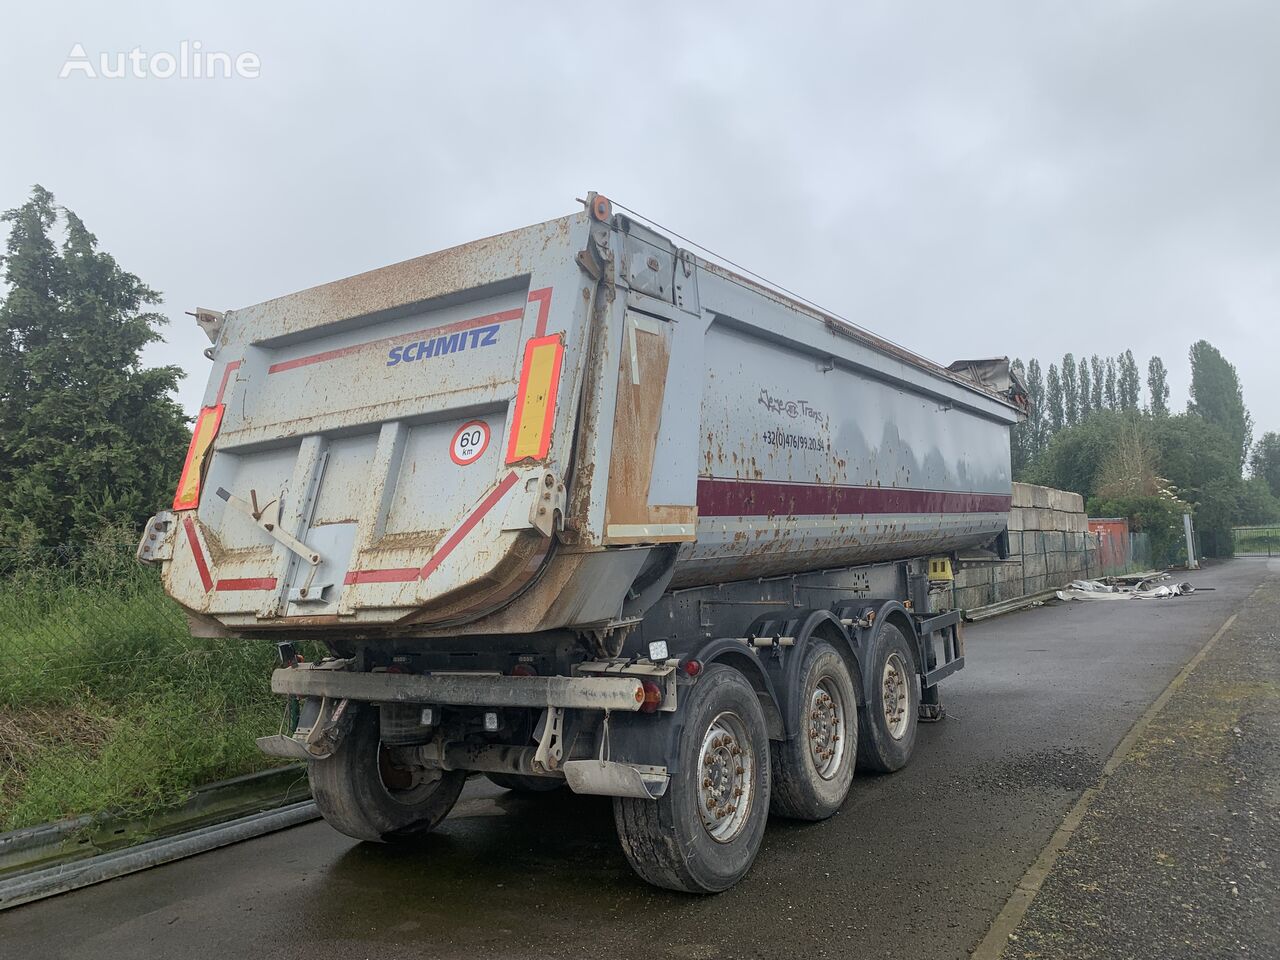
(667, 841)
(525, 784)
(893, 689)
(812, 770)
(350, 787)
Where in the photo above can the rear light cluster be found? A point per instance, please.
(652, 696)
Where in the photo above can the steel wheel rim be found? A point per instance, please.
(826, 728)
(407, 786)
(896, 696)
(726, 772)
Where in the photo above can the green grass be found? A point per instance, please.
(106, 701)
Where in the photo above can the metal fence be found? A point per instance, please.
(1256, 541)
(106, 701)
(1041, 560)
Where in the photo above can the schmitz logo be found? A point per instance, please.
(439, 346)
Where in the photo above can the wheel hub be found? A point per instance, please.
(896, 696)
(726, 770)
(826, 727)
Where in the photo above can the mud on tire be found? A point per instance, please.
(702, 835)
(812, 771)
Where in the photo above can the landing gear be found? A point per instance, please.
(367, 791)
(703, 833)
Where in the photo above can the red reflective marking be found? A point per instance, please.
(484, 321)
(468, 525)
(197, 551)
(247, 583)
(405, 574)
(232, 367)
(542, 297)
(719, 497)
(394, 575)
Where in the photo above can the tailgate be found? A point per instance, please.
(378, 460)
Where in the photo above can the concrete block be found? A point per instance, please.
(1023, 494)
(1066, 501)
(1032, 543)
(1008, 573)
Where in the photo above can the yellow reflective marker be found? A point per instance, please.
(535, 408)
(188, 495)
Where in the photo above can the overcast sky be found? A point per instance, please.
(968, 178)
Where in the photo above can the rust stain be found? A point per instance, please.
(637, 415)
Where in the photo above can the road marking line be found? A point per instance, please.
(993, 945)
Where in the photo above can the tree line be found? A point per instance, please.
(1090, 428)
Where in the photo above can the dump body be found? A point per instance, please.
(509, 436)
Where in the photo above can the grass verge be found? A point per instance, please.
(107, 702)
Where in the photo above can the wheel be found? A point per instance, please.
(887, 721)
(812, 771)
(703, 833)
(524, 784)
(362, 789)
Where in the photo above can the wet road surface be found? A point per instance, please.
(915, 864)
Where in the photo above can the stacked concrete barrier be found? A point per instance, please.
(1049, 545)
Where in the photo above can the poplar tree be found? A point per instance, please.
(1216, 395)
(1129, 384)
(1158, 387)
(1070, 391)
(1053, 401)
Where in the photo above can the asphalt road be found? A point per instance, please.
(916, 864)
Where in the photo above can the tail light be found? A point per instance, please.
(524, 670)
(691, 667)
(652, 697)
(187, 496)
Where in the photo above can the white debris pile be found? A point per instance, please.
(1142, 587)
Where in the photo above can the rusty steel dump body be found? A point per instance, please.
(509, 436)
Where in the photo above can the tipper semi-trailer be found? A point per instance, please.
(574, 507)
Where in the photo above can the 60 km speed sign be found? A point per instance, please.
(471, 440)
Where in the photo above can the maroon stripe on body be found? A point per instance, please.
(763, 498)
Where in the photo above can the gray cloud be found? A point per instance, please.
(977, 178)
